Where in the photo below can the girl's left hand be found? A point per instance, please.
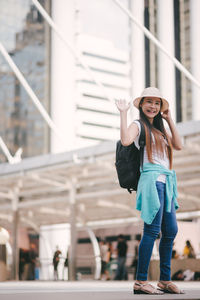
(166, 115)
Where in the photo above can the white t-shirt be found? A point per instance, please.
(104, 250)
(164, 161)
(188, 275)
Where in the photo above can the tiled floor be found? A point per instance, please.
(85, 290)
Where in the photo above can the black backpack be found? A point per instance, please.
(128, 162)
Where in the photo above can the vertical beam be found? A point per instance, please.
(166, 69)
(177, 42)
(63, 79)
(47, 95)
(15, 228)
(73, 232)
(195, 54)
(97, 253)
(137, 56)
(184, 61)
(147, 44)
(153, 79)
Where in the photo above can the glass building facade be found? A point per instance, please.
(23, 35)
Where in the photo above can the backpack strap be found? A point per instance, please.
(142, 142)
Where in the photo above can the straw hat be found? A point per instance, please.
(152, 92)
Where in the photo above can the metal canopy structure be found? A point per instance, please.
(43, 184)
(40, 188)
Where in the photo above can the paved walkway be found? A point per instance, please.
(85, 290)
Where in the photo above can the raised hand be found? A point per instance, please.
(166, 115)
(122, 105)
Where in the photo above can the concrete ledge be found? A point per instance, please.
(177, 264)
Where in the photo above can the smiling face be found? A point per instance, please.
(151, 107)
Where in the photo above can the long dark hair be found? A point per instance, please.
(159, 132)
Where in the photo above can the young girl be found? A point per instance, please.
(157, 190)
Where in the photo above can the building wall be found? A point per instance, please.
(86, 117)
(98, 118)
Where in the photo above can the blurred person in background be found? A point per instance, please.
(109, 261)
(32, 261)
(175, 254)
(23, 264)
(56, 260)
(66, 265)
(188, 251)
(104, 259)
(135, 258)
(187, 275)
(122, 247)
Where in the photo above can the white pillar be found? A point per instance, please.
(73, 232)
(195, 55)
(15, 233)
(63, 75)
(166, 69)
(97, 253)
(137, 52)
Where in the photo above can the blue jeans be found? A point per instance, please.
(166, 223)
(121, 273)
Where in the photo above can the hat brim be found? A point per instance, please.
(165, 103)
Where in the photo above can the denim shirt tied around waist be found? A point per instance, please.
(147, 199)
